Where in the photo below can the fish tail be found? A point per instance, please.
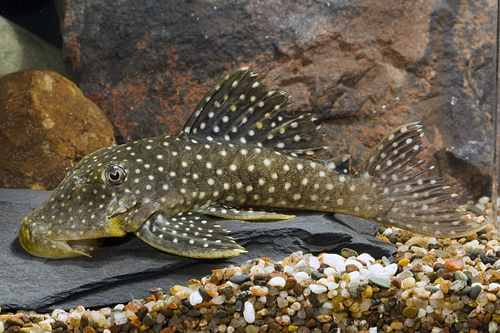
(408, 198)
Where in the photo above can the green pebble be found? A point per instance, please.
(346, 253)
(410, 312)
(385, 261)
(317, 275)
(382, 283)
(459, 275)
(431, 289)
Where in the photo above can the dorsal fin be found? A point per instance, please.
(241, 110)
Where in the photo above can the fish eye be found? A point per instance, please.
(114, 174)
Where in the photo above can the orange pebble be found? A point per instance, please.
(203, 305)
(172, 306)
(404, 262)
(136, 322)
(454, 265)
(151, 298)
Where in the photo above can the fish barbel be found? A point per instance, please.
(239, 151)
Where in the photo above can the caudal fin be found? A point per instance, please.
(417, 202)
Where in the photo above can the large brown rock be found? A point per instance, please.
(361, 67)
(46, 125)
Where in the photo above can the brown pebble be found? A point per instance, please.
(88, 329)
(290, 283)
(473, 323)
(142, 312)
(166, 311)
(274, 328)
(437, 266)
(351, 268)
(13, 329)
(114, 328)
(310, 323)
(396, 282)
(298, 289)
(217, 276)
(84, 321)
(191, 323)
(326, 328)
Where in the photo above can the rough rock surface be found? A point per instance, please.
(46, 125)
(360, 67)
(20, 49)
(125, 268)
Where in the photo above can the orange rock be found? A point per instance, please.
(130, 306)
(217, 276)
(203, 305)
(172, 306)
(136, 322)
(454, 265)
(151, 298)
(167, 330)
(46, 125)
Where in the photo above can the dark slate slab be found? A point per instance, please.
(126, 268)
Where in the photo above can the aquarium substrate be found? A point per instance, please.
(433, 285)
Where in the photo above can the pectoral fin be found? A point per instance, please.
(188, 235)
(245, 215)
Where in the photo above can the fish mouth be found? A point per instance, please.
(38, 244)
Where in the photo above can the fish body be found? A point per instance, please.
(239, 156)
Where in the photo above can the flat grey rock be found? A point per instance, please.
(126, 268)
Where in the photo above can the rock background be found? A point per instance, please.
(360, 67)
(46, 126)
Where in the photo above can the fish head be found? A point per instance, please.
(97, 199)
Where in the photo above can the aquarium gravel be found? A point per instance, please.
(431, 285)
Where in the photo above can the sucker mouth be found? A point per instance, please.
(85, 246)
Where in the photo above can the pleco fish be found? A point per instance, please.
(238, 151)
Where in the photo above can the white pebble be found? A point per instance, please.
(314, 262)
(317, 288)
(392, 269)
(288, 269)
(300, 276)
(195, 298)
(484, 200)
(106, 331)
(219, 299)
(335, 261)
(355, 276)
(372, 330)
(119, 307)
(249, 313)
(366, 257)
(329, 271)
(493, 285)
(277, 281)
(120, 318)
(1, 327)
(377, 270)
